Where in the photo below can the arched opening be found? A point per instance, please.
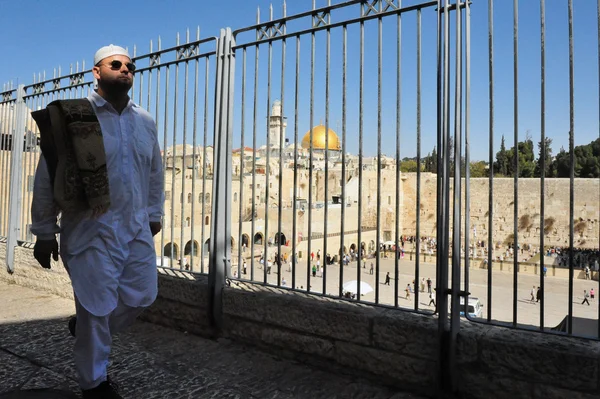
(258, 239)
(280, 239)
(189, 198)
(235, 197)
(206, 221)
(207, 198)
(191, 248)
(207, 246)
(187, 221)
(171, 250)
(245, 240)
(232, 243)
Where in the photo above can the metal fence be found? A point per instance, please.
(325, 210)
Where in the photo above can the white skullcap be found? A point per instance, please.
(108, 51)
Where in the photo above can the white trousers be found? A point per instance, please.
(93, 340)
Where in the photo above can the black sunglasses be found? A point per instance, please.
(116, 64)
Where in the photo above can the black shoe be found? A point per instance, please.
(72, 325)
(106, 390)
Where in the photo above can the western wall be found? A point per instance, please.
(556, 224)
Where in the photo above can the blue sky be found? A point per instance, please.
(42, 35)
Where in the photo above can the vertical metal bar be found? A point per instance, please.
(398, 120)
(194, 163)
(204, 162)
(326, 191)
(572, 166)
(184, 161)
(515, 157)
(491, 157)
(3, 154)
(174, 157)
(268, 166)
(296, 112)
(442, 254)
(255, 112)
(467, 146)
(20, 116)
(225, 202)
(310, 169)
(543, 150)
(457, 203)
(598, 18)
(166, 130)
(281, 144)
(343, 179)
(242, 145)
(164, 159)
(360, 152)
(378, 232)
(418, 242)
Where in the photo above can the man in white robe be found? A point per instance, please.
(110, 257)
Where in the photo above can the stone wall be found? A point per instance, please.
(557, 191)
(395, 347)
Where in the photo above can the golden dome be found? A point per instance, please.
(319, 139)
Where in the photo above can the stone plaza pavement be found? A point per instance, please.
(150, 361)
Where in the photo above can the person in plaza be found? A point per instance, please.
(429, 285)
(423, 284)
(318, 262)
(585, 298)
(106, 244)
(431, 299)
(407, 291)
(283, 282)
(371, 269)
(387, 278)
(312, 256)
(532, 293)
(587, 272)
(314, 270)
(592, 292)
(538, 295)
(245, 268)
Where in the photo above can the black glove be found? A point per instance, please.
(42, 251)
(155, 228)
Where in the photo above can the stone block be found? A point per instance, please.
(408, 333)
(180, 316)
(540, 358)
(473, 384)
(302, 343)
(247, 305)
(467, 344)
(551, 392)
(185, 288)
(322, 318)
(411, 373)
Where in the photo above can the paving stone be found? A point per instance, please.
(14, 371)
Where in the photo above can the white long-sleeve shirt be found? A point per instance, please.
(136, 181)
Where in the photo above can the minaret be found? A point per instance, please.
(276, 121)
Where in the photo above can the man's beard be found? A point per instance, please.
(116, 87)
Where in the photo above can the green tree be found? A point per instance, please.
(587, 161)
(526, 159)
(479, 169)
(544, 153)
(408, 165)
(501, 166)
(433, 166)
